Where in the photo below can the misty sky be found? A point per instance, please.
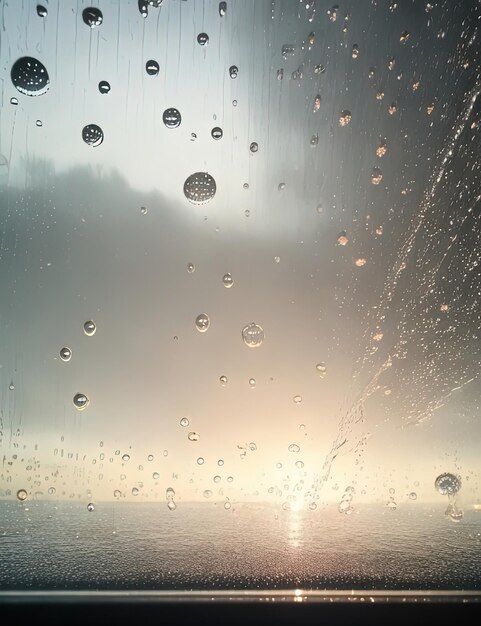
(393, 314)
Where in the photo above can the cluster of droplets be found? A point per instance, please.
(169, 495)
(345, 505)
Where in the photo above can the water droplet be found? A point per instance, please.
(319, 69)
(277, 259)
(281, 186)
(252, 382)
(345, 507)
(288, 50)
(30, 76)
(453, 513)
(216, 133)
(392, 108)
(90, 328)
(150, 457)
(200, 461)
(376, 176)
(253, 335)
(125, 457)
(156, 475)
(227, 280)
(253, 147)
(448, 484)
(360, 262)
(342, 238)
(413, 495)
(207, 493)
(52, 491)
(152, 67)
(294, 448)
(92, 17)
(203, 39)
(171, 505)
(13, 101)
(192, 436)
(355, 51)
(169, 493)
(430, 109)
(220, 462)
(22, 495)
(143, 210)
(391, 505)
(280, 74)
(41, 11)
(80, 401)
(171, 118)
(199, 188)
(65, 354)
(39, 123)
(234, 103)
(297, 399)
(217, 479)
(233, 71)
(93, 135)
(223, 380)
(135, 491)
(321, 369)
(117, 493)
(378, 335)
(247, 212)
(345, 118)
(104, 87)
(184, 422)
(90, 507)
(202, 322)
(317, 103)
(230, 479)
(381, 149)
(227, 505)
(312, 506)
(222, 8)
(404, 36)
(299, 464)
(333, 13)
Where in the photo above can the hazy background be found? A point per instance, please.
(392, 412)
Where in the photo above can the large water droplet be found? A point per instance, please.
(152, 67)
(41, 11)
(30, 76)
(222, 8)
(223, 380)
(448, 484)
(376, 176)
(192, 436)
(92, 17)
(190, 268)
(200, 461)
(345, 118)
(200, 188)
(216, 133)
(254, 147)
(93, 135)
(202, 322)
(172, 118)
(80, 401)
(22, 495)
(13, 101)
(227, 280)
(233, 71)
(125, 458)
(90, 507)
(90, 328)
(104, 86)
(52, 491)
(65, 354)
(253, 335)
(135, 491)
(171, 505)
(203, 39)
(413, 495)
(252, 382)
(117, 493)
(294, 448)
(184, 422)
